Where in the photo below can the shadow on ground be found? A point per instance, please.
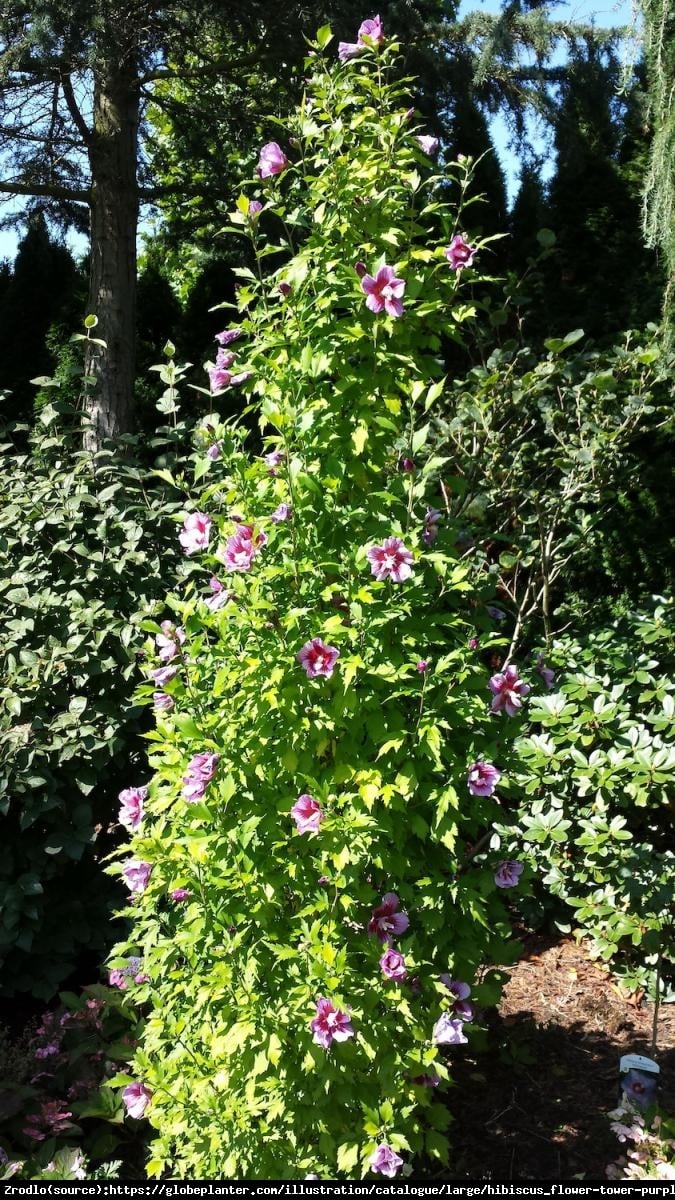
(534, 1105)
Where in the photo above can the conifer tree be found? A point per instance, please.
(43, 290)
(75, 79)
(600, 266)
(659, 184)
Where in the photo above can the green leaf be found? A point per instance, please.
(419, 438)
(557, 345)
(347, 1158)
(324, 36)
(45, 381)
(360, 437)
(433, 394)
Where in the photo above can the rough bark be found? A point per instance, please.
(113, 150)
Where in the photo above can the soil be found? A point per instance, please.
(534, 1105)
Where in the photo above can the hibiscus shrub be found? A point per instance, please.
(312, 889)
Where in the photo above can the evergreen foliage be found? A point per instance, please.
(601, 277)
(39, 300)
(600, 831)
(548, 476)
(659, 183)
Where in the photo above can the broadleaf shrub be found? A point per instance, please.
(85, 547)
(312, 854)
(547, 460)
(595, 772)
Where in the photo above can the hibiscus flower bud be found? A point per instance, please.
(241, 377)
(164, 675)
(347, 50)
(227, 336)
(392, 965)
(200, 771)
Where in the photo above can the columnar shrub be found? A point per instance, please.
(310, 882)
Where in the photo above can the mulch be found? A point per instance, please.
(534, 1105)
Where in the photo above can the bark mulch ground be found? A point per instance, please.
(533, 1106)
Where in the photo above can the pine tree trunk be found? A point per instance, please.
(112, 280)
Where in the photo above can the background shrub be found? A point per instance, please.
(85, 546)
(596, 769)
(59, 1119)
(555, 465)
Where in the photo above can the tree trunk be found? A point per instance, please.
(112, 280)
